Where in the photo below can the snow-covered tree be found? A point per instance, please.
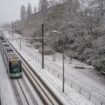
(23, 13)
(98, 6)
(52, 3)
(101, 7)
(35, 10)
(43, 5)
(29, 10)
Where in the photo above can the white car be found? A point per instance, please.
(79, 66)
(47, 51)
(37, 45)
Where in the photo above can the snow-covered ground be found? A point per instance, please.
(71, 96)
(6, 92)
(91, 85)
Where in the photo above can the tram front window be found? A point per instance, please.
(16, 67)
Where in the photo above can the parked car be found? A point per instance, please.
(29, 45)
(37, 45)
(79, 66)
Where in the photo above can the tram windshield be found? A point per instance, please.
(16, 67)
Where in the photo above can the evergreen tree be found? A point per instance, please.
(29, 10)
(43, 5)
(52, 3)
(35, 10)
(23, 13)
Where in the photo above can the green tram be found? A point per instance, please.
(11, 61)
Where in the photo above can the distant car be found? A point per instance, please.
(79, 66)
(37, 45)
(47, 51)
(29, 45)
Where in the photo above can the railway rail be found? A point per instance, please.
(23, 94)
(44, 92)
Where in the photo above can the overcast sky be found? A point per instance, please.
(10, 9)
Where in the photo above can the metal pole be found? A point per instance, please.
(63, 73)
(20, 43)
(43, 46)
(12, 29)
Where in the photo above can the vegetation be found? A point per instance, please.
(83, 29)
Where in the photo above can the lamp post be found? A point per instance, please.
(63, 67)
(20, 44)
(12, 29)
(43, 46)
(63, 75)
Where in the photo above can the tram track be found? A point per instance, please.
(19, 93)
(22, 92)
(44, 92)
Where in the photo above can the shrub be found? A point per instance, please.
(100, 66)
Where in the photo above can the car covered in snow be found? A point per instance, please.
(79, 66)
(37, 45)
(29, 45)
(47, 50)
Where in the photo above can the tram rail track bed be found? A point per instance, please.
(24, 95)
(45, 93)
(49, 93)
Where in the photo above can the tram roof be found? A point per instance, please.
(13, 57)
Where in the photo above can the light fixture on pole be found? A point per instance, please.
(63, 67)
(43, 46)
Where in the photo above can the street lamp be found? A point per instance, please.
(20, 44)
(43, 46)
(12, 28)
(63, 73)
(63, 57)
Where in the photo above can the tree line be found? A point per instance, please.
(26, 13)
(43, 5)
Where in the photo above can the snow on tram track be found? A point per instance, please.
(45, 93)
(23, 94)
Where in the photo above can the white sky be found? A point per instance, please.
(10, 9)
